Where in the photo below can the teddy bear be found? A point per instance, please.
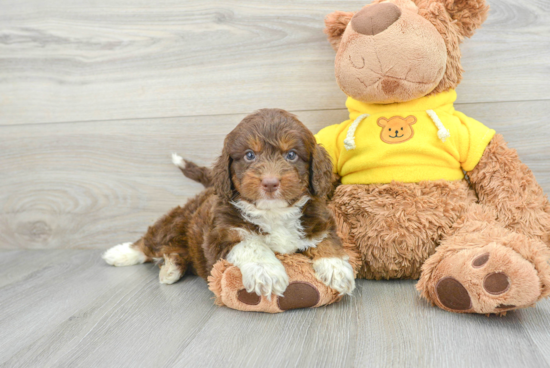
(425, 192)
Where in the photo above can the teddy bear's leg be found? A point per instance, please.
(507, 186)
(304, 290)
(390, 230)
(484, 268)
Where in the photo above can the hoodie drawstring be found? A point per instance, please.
(442, 133)
(349, 142)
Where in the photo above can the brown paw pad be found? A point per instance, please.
(496, 283)
(248, 298)
(480, 261)
(299, 295)
(453, 295)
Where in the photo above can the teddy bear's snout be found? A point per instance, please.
(376, 18)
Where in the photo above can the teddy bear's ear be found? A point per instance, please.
(382, 122)
(468, 15)
(335, 25)
(410, 120)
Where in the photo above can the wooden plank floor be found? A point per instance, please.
(95, 95)
(66, 308)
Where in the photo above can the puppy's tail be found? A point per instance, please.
(194, 172)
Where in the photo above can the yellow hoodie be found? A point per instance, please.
(423, 139)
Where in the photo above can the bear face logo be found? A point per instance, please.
(396, 129)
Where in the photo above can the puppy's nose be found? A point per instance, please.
(270, 184)
(374, 19)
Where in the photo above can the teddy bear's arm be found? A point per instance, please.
(507, 185)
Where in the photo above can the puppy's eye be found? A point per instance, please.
(249, 156)
(291, 156)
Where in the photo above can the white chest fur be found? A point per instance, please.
(283, 231)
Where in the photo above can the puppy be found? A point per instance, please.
(266, 194)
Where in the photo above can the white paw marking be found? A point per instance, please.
(265, 278)
(262, 272)
(178, 160)
(123, 255)
(169, 272)
(336, 273)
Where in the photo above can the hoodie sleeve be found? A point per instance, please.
(474, 138)
(328, 138)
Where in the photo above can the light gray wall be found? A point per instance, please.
(93, 99)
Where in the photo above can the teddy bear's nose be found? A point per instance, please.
(374, 19)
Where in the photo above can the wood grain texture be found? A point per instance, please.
(72, 310)
(97, 184)
(66, 61)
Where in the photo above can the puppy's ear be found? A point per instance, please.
(320, 172)
(335, 25)
(221, 177)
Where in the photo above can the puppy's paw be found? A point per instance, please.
(169, 272)
(123, 255)
(265, 278)
(336, 273)
(178, 160)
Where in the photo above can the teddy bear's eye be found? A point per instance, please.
(389, 129)
(401, 128)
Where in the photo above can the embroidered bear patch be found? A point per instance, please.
(396, 129)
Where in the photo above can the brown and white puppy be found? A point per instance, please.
(266, 194)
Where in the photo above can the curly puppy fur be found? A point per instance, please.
(269, 192)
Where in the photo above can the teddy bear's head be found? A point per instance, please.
(400, 50)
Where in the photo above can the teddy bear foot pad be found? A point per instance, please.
(297, 295)
(492, 279)
(305, 290)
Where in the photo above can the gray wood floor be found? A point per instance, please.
(66, 308)
(95, 95)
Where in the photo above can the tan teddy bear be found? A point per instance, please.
(478, 243)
